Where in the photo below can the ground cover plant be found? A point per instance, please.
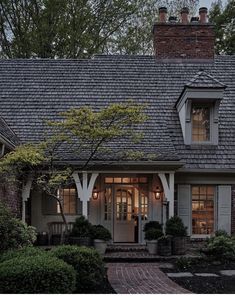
(216, 255)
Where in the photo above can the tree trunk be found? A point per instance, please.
(65, 233)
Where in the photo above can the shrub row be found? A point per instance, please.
(65, 269)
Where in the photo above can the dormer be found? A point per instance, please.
(198, 109)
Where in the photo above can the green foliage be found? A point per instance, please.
(38, 274)
(100, 232)
(78, 29)
(23, 158)
(153, 234)
(13, 232)
(220, 248)
(224, 21)
(175, 227)
(16, 253)
(88, 265)
(82, 228)
(165, 240)
(221, 232)
(184, 263)
(152, 224)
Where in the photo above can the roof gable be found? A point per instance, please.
(204, 80)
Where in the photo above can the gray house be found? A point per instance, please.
(190, 96)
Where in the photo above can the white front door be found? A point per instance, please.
(124, 223)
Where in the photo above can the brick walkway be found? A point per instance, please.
(141, 278)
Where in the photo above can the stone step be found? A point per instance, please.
(126, 248)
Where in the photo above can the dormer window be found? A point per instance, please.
(198, 109)
(200, 123)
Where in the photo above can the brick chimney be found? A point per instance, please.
(184, 41)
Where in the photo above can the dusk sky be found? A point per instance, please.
(207, 3)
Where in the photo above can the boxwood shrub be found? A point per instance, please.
(26, 251)
(36, 274)
(89, 266)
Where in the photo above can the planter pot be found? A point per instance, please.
(164, 247)
(152, 246)
(80, 241)
(179, 245)
(100, 245)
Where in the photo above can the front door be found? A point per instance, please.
(124, 223)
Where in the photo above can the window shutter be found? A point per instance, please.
(224, 208)
(49, 205)
(184, 205)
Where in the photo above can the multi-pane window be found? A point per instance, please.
(69, 200)
(203, 209)
(118, 180)
(144, 204)
(124, 204)
(200, 123)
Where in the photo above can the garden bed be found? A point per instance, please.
(205, 285)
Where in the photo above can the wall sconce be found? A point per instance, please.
(157, 192)
(95, 193)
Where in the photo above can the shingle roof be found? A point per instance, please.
(204, 80)
(7, 133)
(33, 91)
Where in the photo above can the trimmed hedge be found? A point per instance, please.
(89, 266)
(27, 251)
(36, 274)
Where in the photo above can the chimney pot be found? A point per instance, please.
(172, 19)
(203, 15)
(184, 15)
(162, 14)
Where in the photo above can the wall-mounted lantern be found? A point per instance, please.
(157, 192)
(95, 193)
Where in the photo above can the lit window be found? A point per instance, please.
(200, 123)
(118, 180)
(69, 200)
(203, 209)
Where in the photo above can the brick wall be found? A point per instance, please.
(184, 41)
(233, 211)
(11, 197)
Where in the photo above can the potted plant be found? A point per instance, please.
(175, 227)
(152, 224)
(151, 237)
(101, 236)
(81, 233)
(164, 245)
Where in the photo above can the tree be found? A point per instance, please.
(79, 28)
(224, 21)
(86, 132)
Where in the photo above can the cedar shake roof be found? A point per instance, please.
(204, 80)
(7, 134)
(33, 91)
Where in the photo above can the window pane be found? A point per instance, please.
(68, 197)
(200, 123)
(203, 209)
(117, 180)
(108, 180)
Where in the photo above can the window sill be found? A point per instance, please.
(200, 236)
(202, 146)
